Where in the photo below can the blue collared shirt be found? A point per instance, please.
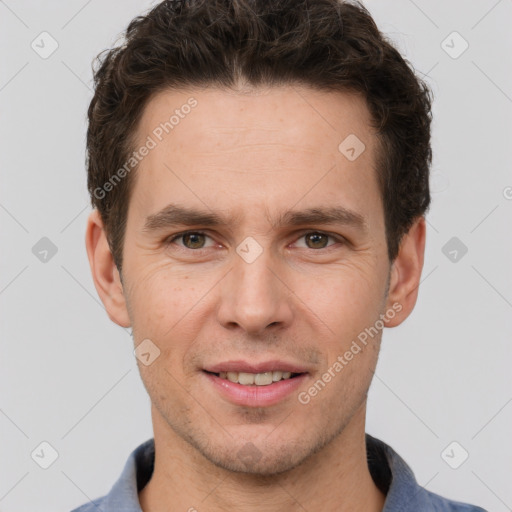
(388, 470)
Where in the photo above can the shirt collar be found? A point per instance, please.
(388, 470)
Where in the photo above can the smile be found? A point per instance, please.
(256, 379)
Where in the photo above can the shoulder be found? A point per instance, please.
(92, 506)
(440, 504)
(123, 495)
(397, 481)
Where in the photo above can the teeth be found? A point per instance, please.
(257, 379)
(277, 376)
(262, 379)
(246, 378)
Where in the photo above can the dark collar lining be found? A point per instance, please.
(145, 464)
(378, 464)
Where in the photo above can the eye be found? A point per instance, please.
(317, 239)
(191, 239)
(196, 240)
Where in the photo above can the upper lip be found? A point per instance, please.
(264, 366)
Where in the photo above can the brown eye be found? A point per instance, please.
(193, 240)
(316, 240)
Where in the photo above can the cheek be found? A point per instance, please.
(346, 299)
(161, 301)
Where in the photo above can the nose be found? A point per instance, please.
(255, 297)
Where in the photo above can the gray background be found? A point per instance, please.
(67, 373)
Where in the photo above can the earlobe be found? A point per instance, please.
(406, 273)
(104, 271)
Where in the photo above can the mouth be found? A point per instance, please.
(255, 385)
(256, 379)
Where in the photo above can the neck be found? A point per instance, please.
(337, 478)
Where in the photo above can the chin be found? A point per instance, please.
(261, 456)
(250, 460)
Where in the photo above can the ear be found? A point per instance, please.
(406, 273)
(104, 271)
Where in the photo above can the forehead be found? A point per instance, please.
(285, 112)
(236, 149)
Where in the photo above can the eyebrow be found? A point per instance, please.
(174, 215)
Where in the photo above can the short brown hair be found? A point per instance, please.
(325, 44)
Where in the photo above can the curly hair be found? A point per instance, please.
(328, 45)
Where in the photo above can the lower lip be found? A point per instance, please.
(256, 396)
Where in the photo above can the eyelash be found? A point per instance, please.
(170, 240)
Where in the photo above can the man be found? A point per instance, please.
(259, 173)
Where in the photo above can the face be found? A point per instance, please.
(255, 243)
